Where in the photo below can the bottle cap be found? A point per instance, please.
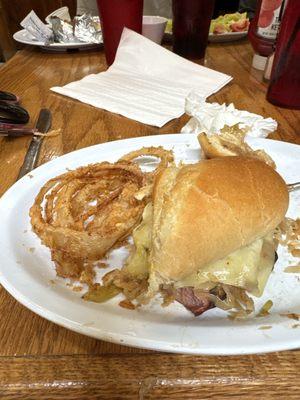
(259, 62)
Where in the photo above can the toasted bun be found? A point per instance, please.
(212, 148)
(205, 211)
(230, 143)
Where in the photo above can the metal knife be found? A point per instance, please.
(43, 125)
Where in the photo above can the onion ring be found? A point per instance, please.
(166, 156)
(82, 214)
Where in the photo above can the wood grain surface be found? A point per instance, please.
(150, 377)
(40, 360)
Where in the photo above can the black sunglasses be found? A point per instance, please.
(9, 97)
(11, 112)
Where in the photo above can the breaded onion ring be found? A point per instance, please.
(82, 214)
(166, 156)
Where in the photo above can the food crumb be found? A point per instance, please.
(264, 311)
(295, 326)
(102, 265)
(77, 288)
(293, 269)
(294, 316)
(127, 304)
(25, 231)
(30, 176)
(265, 327)
(52, 281)
(31, 249)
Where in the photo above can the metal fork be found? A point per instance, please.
(293, 186)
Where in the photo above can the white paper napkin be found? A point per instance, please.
(36, 28)
(211, 117)
(146, 83)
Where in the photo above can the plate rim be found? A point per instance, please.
(126, 339)
(52, 45)
(229, 33)
(226, 36)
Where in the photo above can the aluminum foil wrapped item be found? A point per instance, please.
(62, 31)
(87, 29)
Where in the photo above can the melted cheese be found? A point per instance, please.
(247, 268)
(138, 262)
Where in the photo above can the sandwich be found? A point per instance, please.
(206, 238)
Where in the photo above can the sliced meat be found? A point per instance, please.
(219, 29)
(196, 303)
(240, 26)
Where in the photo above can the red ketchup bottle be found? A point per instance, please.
(284, 88)
(263, 30)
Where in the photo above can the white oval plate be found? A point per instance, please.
(26, 270)
(226, 37)
(24, 37)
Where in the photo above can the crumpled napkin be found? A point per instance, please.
(211, 117)
(147, 82)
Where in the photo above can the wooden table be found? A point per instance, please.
(40, 360)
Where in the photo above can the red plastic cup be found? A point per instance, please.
(191, 21)
(114, 16)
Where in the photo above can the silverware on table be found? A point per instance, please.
(293, 186)
(43, 125)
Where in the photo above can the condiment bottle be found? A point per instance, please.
(284, 88)
(263, 30)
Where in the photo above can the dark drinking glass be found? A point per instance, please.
(191, 20)
(284, 88)
(114, 16)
